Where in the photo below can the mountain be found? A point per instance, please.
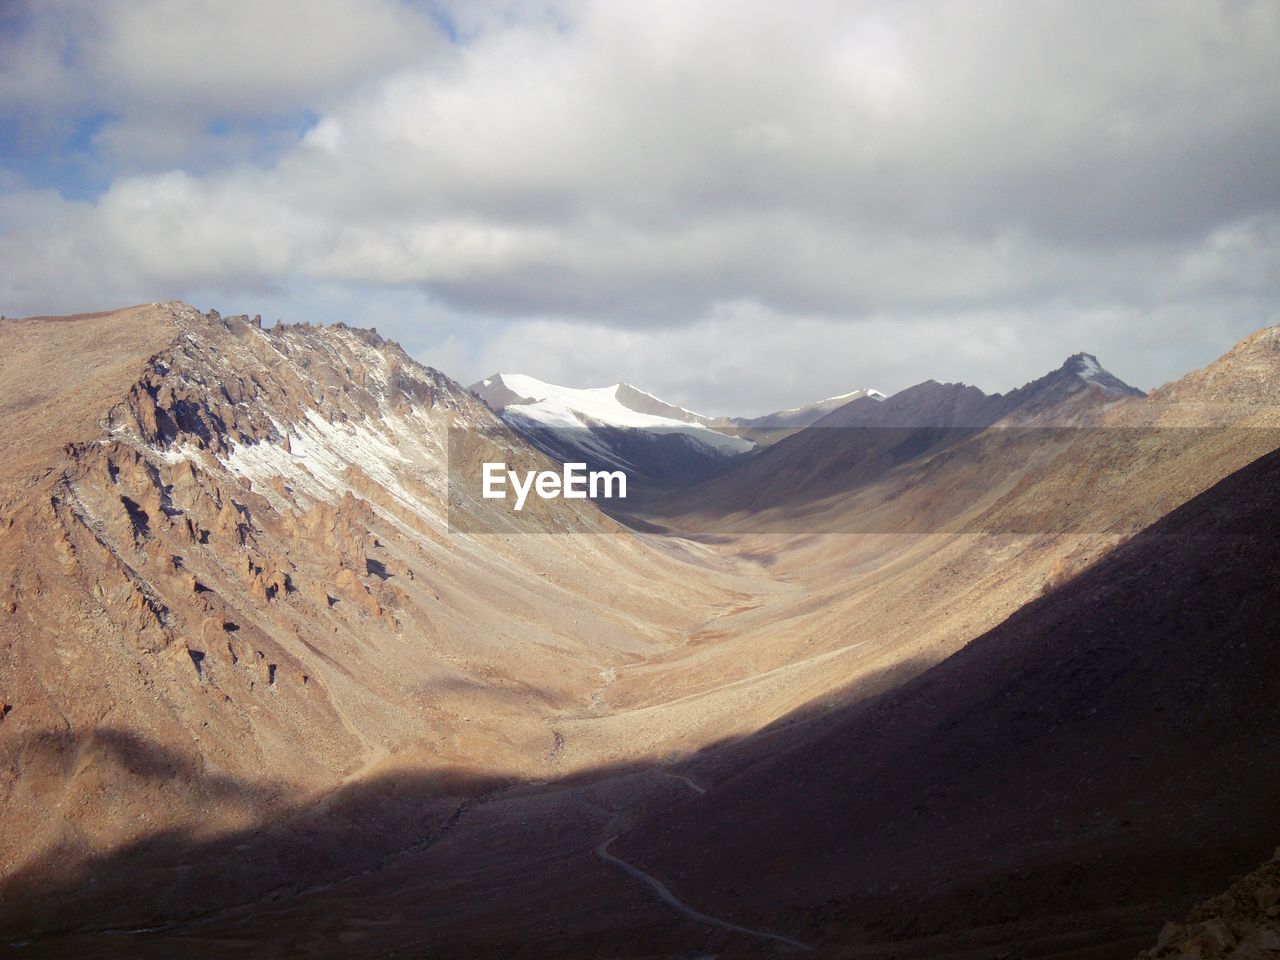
(269, 687)
(626, 427)
(863, 441)
(1079, 386)
(230, 582)
(610, 427)
(620, 405)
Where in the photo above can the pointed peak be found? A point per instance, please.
(1081, 359)
(1087, 368)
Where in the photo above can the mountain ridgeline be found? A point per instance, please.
(622, 426)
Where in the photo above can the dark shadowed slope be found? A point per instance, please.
(1112, 747)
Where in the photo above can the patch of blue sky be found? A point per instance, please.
(58, 155)
(260, 140)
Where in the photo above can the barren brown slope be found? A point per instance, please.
(1110, 748)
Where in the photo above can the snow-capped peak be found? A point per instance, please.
(537, 403)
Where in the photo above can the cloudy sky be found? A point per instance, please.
(737, 205)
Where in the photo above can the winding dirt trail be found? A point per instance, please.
(696, 788)
(669, 898)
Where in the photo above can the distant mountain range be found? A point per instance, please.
(866, 439)
(1078, 385)
(626, 427)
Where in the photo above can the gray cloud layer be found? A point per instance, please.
(741, 205)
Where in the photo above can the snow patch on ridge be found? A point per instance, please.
(319, 454)
(1090, 370)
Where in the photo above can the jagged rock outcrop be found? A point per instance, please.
(1242, 924)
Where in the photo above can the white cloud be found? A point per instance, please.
(595, 183)
(204, 57)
